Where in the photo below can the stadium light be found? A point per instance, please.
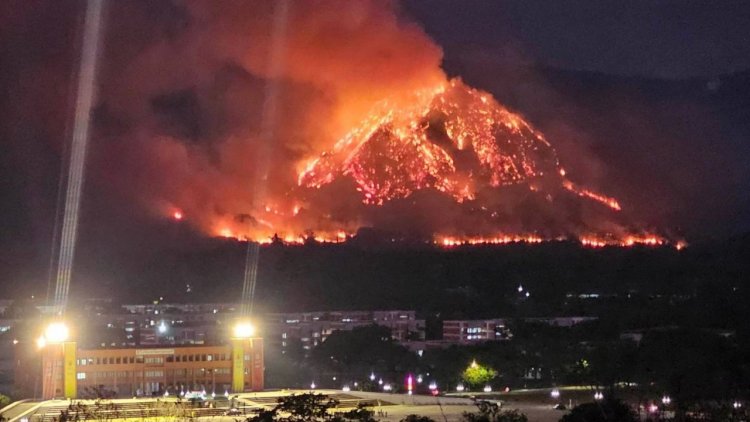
(244, 330)
(56, 332)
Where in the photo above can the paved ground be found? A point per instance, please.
(17, 410)
(395, 407)
(450, 408)
(453, 413)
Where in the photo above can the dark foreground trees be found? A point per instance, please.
(310, 407)
(610, 410)
(490, 412)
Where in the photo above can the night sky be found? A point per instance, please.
(650, 99)
(660, 39)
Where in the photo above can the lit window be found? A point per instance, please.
(81, 376)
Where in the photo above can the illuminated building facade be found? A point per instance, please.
(71, 372)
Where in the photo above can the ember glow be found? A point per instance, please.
(451, 139)
(605, 200)
(398, 151)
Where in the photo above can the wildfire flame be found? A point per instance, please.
(449, 138)
(392, 154)
(397, 151)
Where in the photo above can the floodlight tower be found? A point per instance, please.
(247, 348)
(58, 361)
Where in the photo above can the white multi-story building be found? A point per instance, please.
(475, 331)
(312, 328)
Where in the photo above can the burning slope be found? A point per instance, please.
(458, 142)
(454, 139)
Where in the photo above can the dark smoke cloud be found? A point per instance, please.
(181, 105)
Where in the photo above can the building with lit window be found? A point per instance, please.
(479, 330)
(312, 328)
(128, 372)
(475, 331)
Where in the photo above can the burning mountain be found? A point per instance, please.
(461, 142)
(315, 119)
(453, 138)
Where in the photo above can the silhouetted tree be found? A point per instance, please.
(491, 412)
(610, 410)
(306, 407)
(416, 418)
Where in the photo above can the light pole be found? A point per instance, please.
(242, 334)
(58, 352)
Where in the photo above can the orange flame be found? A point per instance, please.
(390, 155)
